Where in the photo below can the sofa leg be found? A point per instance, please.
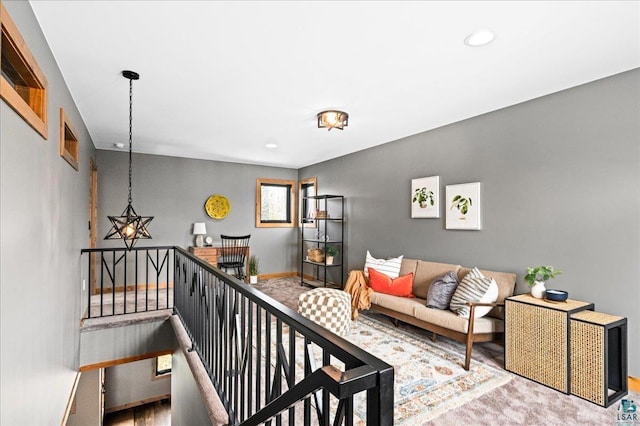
(395, 322)
(467, 358)
(434, 337)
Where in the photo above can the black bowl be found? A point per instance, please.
(556, 295)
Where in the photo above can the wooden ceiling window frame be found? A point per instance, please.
(287, 210)
(69, 147)
(23, 85)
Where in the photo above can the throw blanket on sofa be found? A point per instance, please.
(360, 292)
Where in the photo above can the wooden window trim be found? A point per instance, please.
(292, 203)
(308, 222)
(69, 151)
(33, 112)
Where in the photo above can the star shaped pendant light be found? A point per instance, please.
(129, 226)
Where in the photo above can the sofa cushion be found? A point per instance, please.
(506, 282)
(441, 291)
(474, 287)
(452, 321)
(382, 283)
(426, 272)
(390, 267)
(403, 305)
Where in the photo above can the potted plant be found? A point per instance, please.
(254, 265)
(462, 204)
(537, 276)
(330, 252)
(422, 197)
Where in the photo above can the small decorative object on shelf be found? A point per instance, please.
(556, 295)
(330, 252)
(254, 269)
(536, 278)
(315, 255)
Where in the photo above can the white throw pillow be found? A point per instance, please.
(389, 267)
(474, 287)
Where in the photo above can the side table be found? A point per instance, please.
(598, 357)
(537, 339)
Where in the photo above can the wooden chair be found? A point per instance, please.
(233, 254)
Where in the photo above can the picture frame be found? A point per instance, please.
(425, 197)
(463, 205)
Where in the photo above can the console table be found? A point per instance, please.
(537, 339)
(212, 253)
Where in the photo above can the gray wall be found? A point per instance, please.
(87, 404)
(560, 182)
(187, 404)
(134, 382)
(116, 343)
(43, 222)
(174, 190)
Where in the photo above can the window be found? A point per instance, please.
(163, 365)
(275, 201)
(23, 85)
(68, 141)
(307, 188)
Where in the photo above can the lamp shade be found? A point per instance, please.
(199, 228)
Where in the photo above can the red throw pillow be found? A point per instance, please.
(381, 283)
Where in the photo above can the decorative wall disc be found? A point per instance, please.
(217, 206)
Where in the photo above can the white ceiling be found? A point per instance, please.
(219, 80)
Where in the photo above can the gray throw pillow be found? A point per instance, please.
(441, 290)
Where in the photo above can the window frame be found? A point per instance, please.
(290, 208)
(158, 374)
(34, 110)
(70, 152)
(303, 213)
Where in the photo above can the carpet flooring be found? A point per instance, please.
(518, 402)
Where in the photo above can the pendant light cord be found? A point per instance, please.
(130, 133)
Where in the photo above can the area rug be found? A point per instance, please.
(429, 380)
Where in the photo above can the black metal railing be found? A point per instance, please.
(261, 355)
(122, 281)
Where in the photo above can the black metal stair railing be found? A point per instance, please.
(260, 358)
(122, 281)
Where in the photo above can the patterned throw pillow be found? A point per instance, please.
(474, 287)
(441, 290)
(389, 267)
(381, 283)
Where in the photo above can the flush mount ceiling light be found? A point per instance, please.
(333, 119)
(479, 38)
(129, 226)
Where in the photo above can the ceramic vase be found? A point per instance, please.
(538, 289)
(329, 260)
(253, 279)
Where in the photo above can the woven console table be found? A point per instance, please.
(537, 344)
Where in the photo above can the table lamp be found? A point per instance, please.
(199, 230)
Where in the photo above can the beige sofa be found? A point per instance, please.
(445, 322)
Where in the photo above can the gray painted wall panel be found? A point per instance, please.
(133, 382)
(109, 344)
(187, 405)
(174, 190)
(560, 185)
(43, 223)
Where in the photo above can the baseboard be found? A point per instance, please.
(277, 275)
(132, 288)
(137, 403)
(634, 384)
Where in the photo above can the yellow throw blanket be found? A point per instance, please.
(360, 292)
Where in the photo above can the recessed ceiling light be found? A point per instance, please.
(119, 145)
(271, 145)
(479, 38)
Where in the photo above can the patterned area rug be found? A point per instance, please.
(429, 380)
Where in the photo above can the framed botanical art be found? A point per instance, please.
(425, 197)
(463, 206)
